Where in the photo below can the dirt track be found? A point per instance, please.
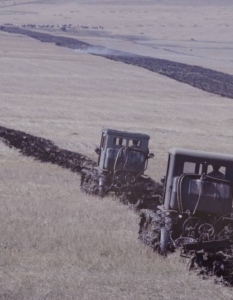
(205, 79)
(44, 150)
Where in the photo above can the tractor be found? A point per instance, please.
(122, 160)
(196, 212)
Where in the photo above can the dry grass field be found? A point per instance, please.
(57, 243)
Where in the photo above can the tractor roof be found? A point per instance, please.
(201, 154)
(132, 135)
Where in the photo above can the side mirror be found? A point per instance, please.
(97, 150)
(151, 155)
(163, 179)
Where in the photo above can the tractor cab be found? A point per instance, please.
(198, 182)
(123, 158)
(125, 151)
(197, 204)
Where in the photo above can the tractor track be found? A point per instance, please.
(208, 80)
(44, 150)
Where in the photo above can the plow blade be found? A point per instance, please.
(210, 246)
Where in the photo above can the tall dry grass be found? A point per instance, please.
(57, 243)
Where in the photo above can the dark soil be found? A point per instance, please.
(44, 150)
(205, 79)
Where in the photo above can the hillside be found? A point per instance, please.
(57, 243)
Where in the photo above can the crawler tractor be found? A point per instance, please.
(122, 161)
(196, 214)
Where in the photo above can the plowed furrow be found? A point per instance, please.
(202, 78)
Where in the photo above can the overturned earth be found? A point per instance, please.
(208, 80)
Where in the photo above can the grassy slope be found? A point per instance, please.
(57, 243)
(68, 97)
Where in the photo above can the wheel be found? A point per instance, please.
(190, 227)
(206, 230)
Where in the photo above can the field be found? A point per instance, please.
(57, 243)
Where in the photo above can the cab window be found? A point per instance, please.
(135, 143)
(216, 171)
(119, 141)
(191, 167)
